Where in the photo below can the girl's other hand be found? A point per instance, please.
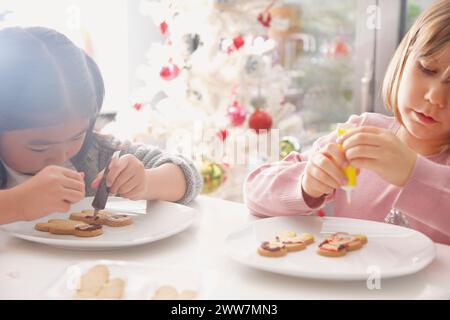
(323, 172)
(126, 177)
(53, 189)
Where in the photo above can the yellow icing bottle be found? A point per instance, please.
(349, 171)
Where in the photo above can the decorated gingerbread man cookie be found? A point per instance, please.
(103, 218)
(338, 244)
(286, 241)
(70, 227)
(294, 241)
(272, 248)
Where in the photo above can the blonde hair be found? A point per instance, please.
(429, 34)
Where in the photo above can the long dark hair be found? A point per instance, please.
(45, 79)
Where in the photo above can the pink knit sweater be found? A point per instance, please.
(274, 189)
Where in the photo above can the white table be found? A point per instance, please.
(26, 268)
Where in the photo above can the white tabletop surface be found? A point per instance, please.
(27, 269)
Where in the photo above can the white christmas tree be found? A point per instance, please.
(212, 83)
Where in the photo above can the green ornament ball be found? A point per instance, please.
(287, 145)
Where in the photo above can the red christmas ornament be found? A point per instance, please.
(339, 48)
(169, 72)
(265, 18)
(238, 42)
(163, 27)
(137, 106)
(236, 114)
(260, 120)
(222, 134)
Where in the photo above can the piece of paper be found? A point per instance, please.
(127, 206)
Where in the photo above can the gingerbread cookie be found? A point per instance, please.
(95, 284)
(272, 248)
(103, 218)
(70, 227)
(338, 244)
(170, 293)
(294, 241)
(113, 289)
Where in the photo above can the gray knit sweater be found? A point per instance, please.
(102, 149)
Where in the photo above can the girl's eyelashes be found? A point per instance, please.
(425, 69)
(38, 150)
(81, 136)
(43, 148)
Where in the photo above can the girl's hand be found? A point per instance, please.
(53, 189)
(323, 173)
(381, 151)
(126, 177)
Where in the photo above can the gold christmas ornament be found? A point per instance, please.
(213, 176)
(287, 145)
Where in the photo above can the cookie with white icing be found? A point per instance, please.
(294, 241)
(103, 218)
(338, 244)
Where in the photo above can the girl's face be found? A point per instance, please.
(424, 97)
(30, 150)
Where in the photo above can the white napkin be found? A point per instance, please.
(118, 205)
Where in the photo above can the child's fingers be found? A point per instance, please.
(370, 139)
(330, 172)
(317, 186)
(115, 169)
(335, 153)
(363, 151)
(133, 194)
(96, 181)
(72, 174)
(128, 187)
(363, 129)
(121, 180)
(63, 206)
(366, 163)
(75, 185)
(323, 176)
(72, 196)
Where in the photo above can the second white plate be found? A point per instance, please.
(391, 250)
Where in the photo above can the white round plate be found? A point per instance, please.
(391, 250)
(163, 219)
